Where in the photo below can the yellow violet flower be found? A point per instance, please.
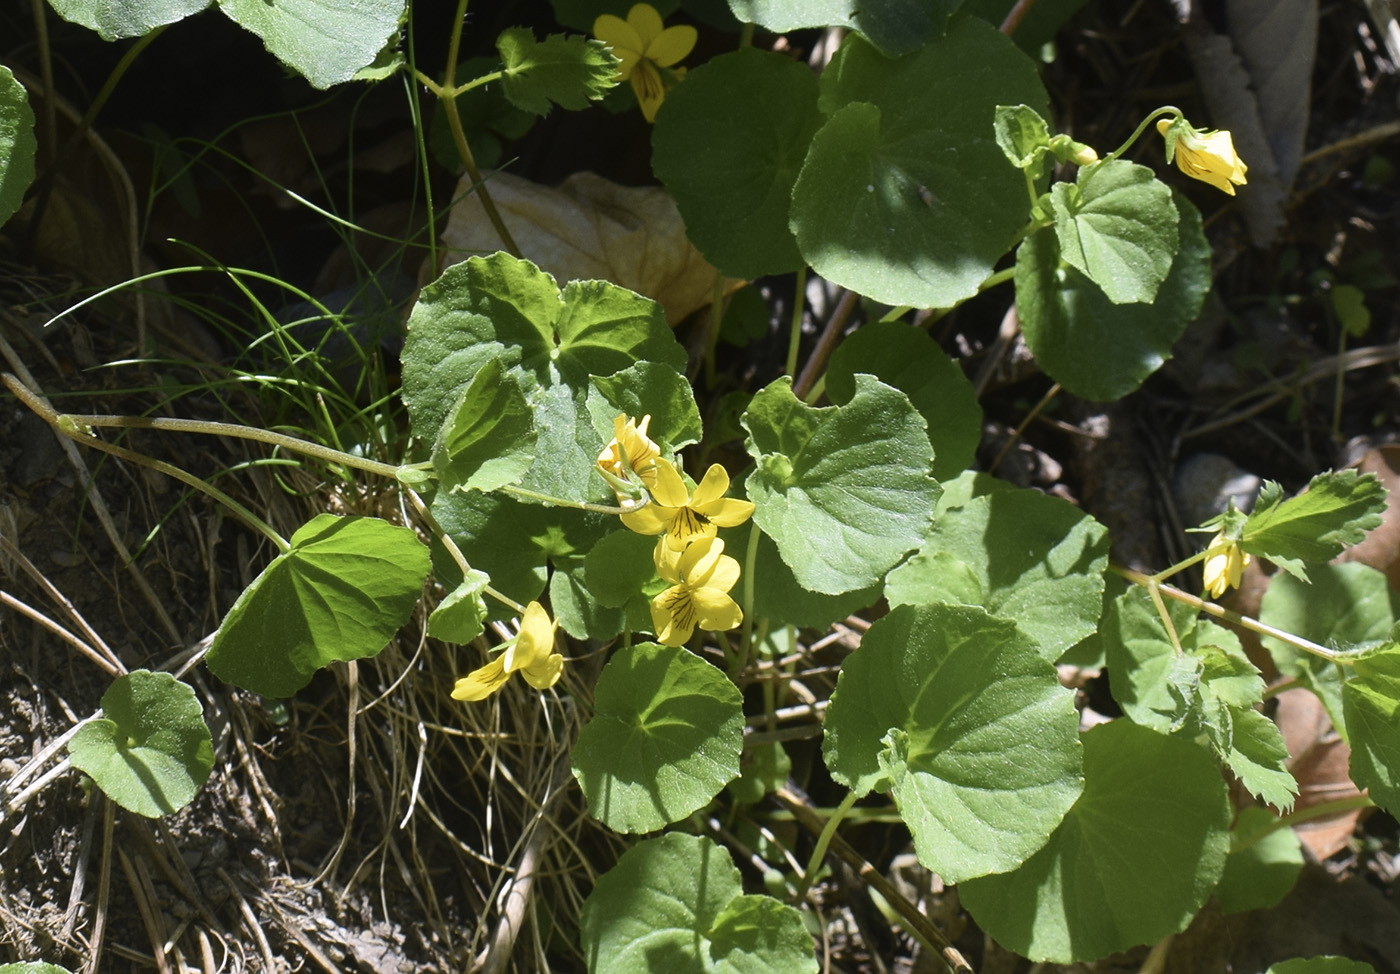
(683, 517)
(645, 47)
(700, 577)
(531, 655)
(1207, 156)
(1224, 565)
(630, 449)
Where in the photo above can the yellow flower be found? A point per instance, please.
(684, 518)
(531, 655)
(1224, 565)
(630, 449)
(645, 48)
(700, 577)
(1207, 156)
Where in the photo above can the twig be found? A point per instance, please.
(816, 364)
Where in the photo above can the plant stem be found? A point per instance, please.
(577, 505)
(1164, 110)
(1220, 612)
(799, 298)
(1307, 815)
(73, 430)
(823, 841)
(750, 560)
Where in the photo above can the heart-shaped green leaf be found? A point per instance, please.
(17, 144)
(489, 437)
(845, 491)
(664, 740)
(340, 593)
(676, 905)
(1131, 863)
(150, 751)
(958, 711)
(324, 41)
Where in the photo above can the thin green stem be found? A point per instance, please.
(1164, 110)
(799, 296)
(750, 560)
(534, 495)
(1220, 612)
(304, 447)
(454, 552)
(1306, 815)
(712, 333)
(894, 314)
(823, 840)
(75, 430)
(999, 277)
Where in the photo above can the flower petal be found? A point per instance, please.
(667, 562)
(481, 683)
(544, 673)
(712, 487)
(619, 35)
(646, 21)
(670, 490)
(648, 520)
(535, 642)
(721, 576)
(699, 559)
(715, 611)
(673, 616)
(671, 45)
(728, 512)
(646, 82)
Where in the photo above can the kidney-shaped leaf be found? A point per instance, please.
(1036, 560)
(113, 19)
(324, 41)
(1132, 862)
(340, 593)
(1117, 226)
(845, 491)
(676, 905)
(959, 712)
(150, 751)
(489, 437)
(1095, 348)
(728, 147)
(905, 196)
(664, 740)
(17, 144)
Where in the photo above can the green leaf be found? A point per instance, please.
(905, 196)
(29, 967)
(664, 739)
(1258, 756)
(324, 41)
(461, 616)
(568, 71)
(115, 19)
(489, 437)
(894, 26)
(1117, 226)
(1023, 136)
(729, 147)
(1347, 606)
(1321, 965)
(340, 593)
(844, 491)
(1022, 555)
(1131, 863)
(17, 144)
(1263, 864)
(150, 751)
(676, 905)
(1095, 348)
(1371, 701)
(781, 599)
(648, 389)
(580, 613)
(618, 566)
(910, 361)
(1336, 510)
(500, 308)
(959, 713)
(1155, 686)
(512, 542)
